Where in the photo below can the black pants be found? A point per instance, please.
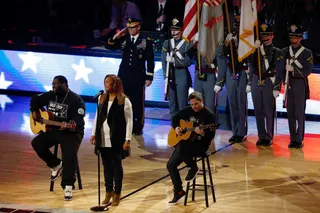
(184, 152)
(135, 92)
(70, 143)
(113, 171)
(296, 109)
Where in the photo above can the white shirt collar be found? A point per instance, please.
(135, 37)
(163, 4)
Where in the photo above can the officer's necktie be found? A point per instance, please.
(132, 40)
(160, 11)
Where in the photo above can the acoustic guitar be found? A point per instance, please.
(187, 130)
(47, 121)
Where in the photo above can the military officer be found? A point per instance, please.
(262, 83)
(236, 84)
(178, 52)
(136, 51)
(298, 64)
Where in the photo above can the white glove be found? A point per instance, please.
(170, 59)
(229, 37)
(289, 68)
(217, 88)
(248, 89)
(257, 44)
(276, 93)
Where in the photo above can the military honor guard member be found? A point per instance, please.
(263, 83)
(236, 84)
(137, 51)
(298, 66)
(178, 52)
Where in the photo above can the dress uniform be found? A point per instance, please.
(178, 52)
(299, 63)
(205, 81)
(136, 51)
(262, 91)
(236, 86)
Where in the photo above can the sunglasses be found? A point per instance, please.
(132, 27)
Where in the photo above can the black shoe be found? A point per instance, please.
(138, 133)
(233, 138)
(177, 196)
(292, 144)
(240, 139)
(267, 143)
(192, 174)
(299, 144)
(259, 142)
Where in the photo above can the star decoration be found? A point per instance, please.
(82, 71)
(47, 88)
(87, 121)
(3, 101)
(25, 127)
(29, 61)
(111, 60)
(3, 83)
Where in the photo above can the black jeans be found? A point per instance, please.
(113, 171)
(70, 143)
(184, 152)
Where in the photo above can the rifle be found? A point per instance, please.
(168, 71)
(286, 81)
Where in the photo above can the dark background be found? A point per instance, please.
(71, 22)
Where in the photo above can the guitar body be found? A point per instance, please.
(174, 139)
(37, 127)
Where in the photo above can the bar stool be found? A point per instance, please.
(203, 157)
(77, 174)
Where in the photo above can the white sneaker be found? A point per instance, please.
(68, 193)
(55, 171)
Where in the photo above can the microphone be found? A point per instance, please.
(98, 94)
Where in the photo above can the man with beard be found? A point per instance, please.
(65, 106)
(262, 84)
(299, 63)
(178, 52)
(236, 83)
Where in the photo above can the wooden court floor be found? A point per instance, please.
(247, 179)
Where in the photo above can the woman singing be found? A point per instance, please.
(111, 135)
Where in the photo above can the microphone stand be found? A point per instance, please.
(99, 208)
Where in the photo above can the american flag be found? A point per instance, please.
(190, 20)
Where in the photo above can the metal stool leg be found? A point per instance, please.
(205, 181)
(78, 175)
(194, 184)
(211, 181)
(55, 152)
(187, 193)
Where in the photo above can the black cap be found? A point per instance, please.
(131, 22)
(176, 24)
(266, 29)
(295, 30)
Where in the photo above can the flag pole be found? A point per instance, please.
(200, 74)
(230, 42)
(259, 56)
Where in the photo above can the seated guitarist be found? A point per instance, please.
(186, 150)
(65, 106)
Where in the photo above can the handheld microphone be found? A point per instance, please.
(98, 94)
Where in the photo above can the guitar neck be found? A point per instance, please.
(201, 127)
(52, 123)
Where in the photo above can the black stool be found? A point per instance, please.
(78, 176)
(203, 157)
